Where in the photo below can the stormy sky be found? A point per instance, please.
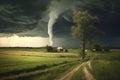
(28, 20)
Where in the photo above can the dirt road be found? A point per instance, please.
(70, 74)
(88, 75)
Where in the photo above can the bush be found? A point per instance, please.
(105, 48)
(49, 48)
(100, 48)
(97, 48)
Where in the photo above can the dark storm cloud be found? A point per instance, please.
(108, 12)
(20, 15)
(39, 30)
(30, 17)
(23, 16)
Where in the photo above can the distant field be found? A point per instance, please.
(41, 52)
(34, 64)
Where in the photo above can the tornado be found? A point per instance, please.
(55, 9)
(53, 16)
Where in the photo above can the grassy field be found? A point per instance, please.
(105, 66)
(37, 64)
(34, 64)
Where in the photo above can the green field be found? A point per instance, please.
(105, 66)
(34, 64)
(37, 64)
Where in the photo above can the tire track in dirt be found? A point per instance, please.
(70, 74)
(89, 64)
(88, 75)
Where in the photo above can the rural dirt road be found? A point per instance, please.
(88, 75)
(70, 74)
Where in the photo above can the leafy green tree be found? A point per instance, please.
(84, 28)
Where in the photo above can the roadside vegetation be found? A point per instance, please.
(104, 66)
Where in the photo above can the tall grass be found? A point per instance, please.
(106, 66)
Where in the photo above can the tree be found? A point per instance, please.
(84, 28)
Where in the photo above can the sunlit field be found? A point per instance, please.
(38, 64)
(34, 64)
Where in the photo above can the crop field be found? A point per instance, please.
(28, 64)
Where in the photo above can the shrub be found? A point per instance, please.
(49, 48)
(105, 48)
(97, 48)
